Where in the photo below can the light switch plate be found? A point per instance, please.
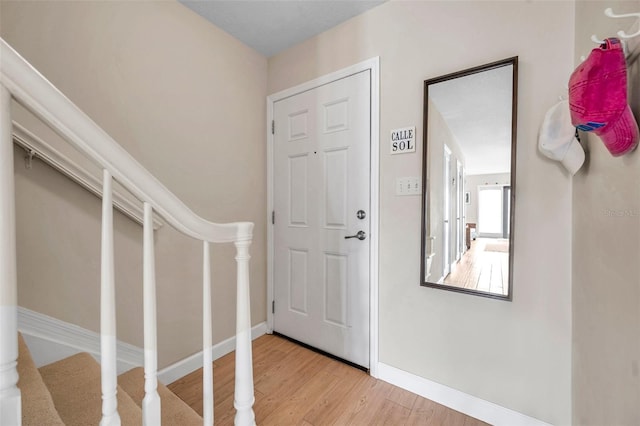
(408, 186)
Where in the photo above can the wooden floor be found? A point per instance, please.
(296, 386)
(484, 267)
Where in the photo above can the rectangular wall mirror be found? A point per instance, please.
(468, 176)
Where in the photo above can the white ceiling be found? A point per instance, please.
(271, 26)
(477, 109)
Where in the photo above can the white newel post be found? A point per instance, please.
(207, 339)
(10, 403)
(109, 375)
(151, 402)
(244, 398)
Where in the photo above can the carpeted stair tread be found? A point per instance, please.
(37, 405)
(174, 411)
(74, 384)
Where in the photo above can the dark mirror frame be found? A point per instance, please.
(513, 61)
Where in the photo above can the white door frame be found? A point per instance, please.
(459, 211)
(446, 222)
(373, 65)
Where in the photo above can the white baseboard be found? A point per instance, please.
(468, 404)
(181, 368)
(50, 339)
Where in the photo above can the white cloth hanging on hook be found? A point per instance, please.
(557, 139)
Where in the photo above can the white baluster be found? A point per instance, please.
(10, 403)
(243, 401)
(151, 402)
(110, 415)
(207, 357)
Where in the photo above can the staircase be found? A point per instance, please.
(67, 392)
(77, 390)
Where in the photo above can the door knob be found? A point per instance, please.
(361, 235)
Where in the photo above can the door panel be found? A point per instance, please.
(321, 180)
(298, 260)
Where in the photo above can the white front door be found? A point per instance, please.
(321, 197)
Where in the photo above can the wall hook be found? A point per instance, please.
(28, 159)
(596, 40)
(609, 12)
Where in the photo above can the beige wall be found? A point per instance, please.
(516, 354)
(606, 250)
(187, 100)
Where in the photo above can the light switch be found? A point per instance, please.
(408, 186)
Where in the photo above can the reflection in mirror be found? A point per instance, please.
(468, 176)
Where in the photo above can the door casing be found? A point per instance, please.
(373, 65)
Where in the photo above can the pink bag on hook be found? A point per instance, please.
(598, 98)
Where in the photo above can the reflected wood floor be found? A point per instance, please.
(484, 267)
(296, 386)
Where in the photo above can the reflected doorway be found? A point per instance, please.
(485, 265)
(493, 211)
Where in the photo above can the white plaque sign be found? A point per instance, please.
(403, 140)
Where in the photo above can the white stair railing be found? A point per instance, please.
(151, 402)
(109, 374)
(207, 339)
(243, 398)
(9, 392)
(20, 81)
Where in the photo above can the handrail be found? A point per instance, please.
(18, 79)
(37, 94)
(35, 147)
